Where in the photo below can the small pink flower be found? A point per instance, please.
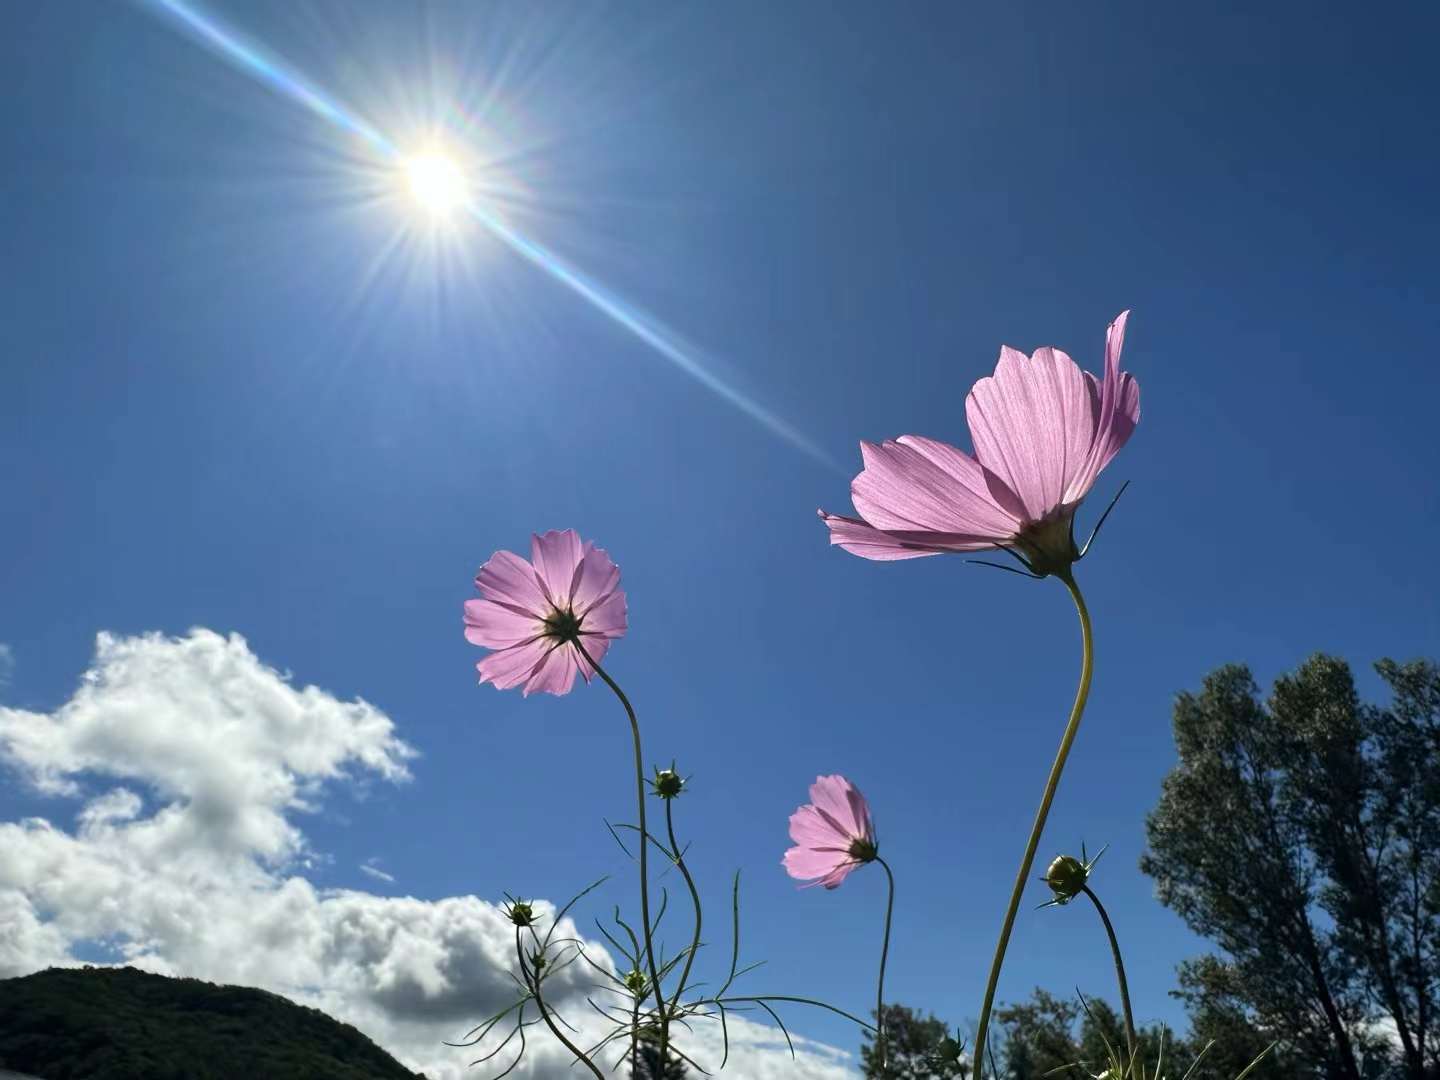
(533, 613)
(1042, 430)
(833, 834)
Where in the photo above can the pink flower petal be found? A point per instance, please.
(496, 626)
(834, 879)
(977, 478)
(606, 618)
(806, 864)
(837, 797)
(1032, 424)
(595, 579)
(555, 673)
(1118, 412)
(860, 538)
(511, 667)
(809, 828)
(921, 485)
(556, 554)
(509, 579)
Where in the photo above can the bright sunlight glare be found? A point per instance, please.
(436, 182)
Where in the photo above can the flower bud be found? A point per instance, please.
(947, 1057)
(635, 982)
(667, 783)
(520, 912)
(1066, 877)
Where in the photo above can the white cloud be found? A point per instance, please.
(185, 862)
(7, 665)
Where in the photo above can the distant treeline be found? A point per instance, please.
(98, 1023)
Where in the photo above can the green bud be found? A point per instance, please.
(668, 783)
(945, 1059)
(520, 913)
(635, 982)
(1066, 877)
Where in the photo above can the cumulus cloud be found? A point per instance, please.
(190, 761)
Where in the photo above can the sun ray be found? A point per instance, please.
(439, 183)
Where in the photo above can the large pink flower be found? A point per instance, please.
(1042, 430)
(833, 833)
(533, 613)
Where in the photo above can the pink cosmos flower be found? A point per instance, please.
(833, 834)
(533, 613)
(1042, 430)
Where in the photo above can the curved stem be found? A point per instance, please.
(1119, 970)
(533, 982)
(1082, 692)
(644, 848)
(679, 857)
(880, 986)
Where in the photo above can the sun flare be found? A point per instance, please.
(435, 182)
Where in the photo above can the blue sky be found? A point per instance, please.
(246, 385)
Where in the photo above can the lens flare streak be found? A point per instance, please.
(250, 58)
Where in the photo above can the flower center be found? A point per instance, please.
(562, 625)
(862, 850)
(1048, 544)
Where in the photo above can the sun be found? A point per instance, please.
(436, 182)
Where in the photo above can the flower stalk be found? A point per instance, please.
(532, 980)
(1130, 1040)
(645, 924)
(880, 1044)
(678, 857)
(1072, 728)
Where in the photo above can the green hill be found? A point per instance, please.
(98, 1023)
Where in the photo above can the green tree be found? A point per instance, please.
(910, 1041)
(1076, 1040)
(1302, 836)
(1226, 1024)
(1036, 1037)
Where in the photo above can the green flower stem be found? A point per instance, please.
(532, 981)
(1119, 971)
(1082, 692)
(679, 857)
(635, 1039)
(884, 956)
(644, 850)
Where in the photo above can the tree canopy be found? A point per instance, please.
(1302, 836)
